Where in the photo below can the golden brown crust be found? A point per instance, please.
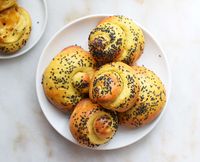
(116, 38)
(81, 81)
(114, 86)
(91, 125)
(15, 29)
(5, 4)
(150, 101)
(61, 77)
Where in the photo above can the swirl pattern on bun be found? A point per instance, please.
(116, 38)
(114, 86)
(91, 125)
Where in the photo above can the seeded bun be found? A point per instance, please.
(66, 79)
(4, 4)
(116, 38)
(150, 101)
(15, 24)
(91, 125)
(114, 86)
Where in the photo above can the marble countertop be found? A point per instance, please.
(26, 135)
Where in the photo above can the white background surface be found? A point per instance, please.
(25, 134)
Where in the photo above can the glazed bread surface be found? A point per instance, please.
(15, 29)
(4, 4)
(150, 101)
(114, 86)
(66, 79)
(116, 38)
(91, 125)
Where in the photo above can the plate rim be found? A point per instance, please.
(36, 41)
(168, 86)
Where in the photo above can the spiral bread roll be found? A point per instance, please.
(91, 125)
(4, 4)
(67, 78)
(114, 86)
(116, 38)
(15, 28)
(150, 101)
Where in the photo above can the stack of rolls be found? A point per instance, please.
(15, 26)
(103, 88)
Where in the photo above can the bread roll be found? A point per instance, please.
(150, 101)
(91, 125)
(114, 86)
(15, 29)
(116, 38)
(66, 79)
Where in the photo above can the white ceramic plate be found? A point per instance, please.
(38, 12)
(77, 32)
